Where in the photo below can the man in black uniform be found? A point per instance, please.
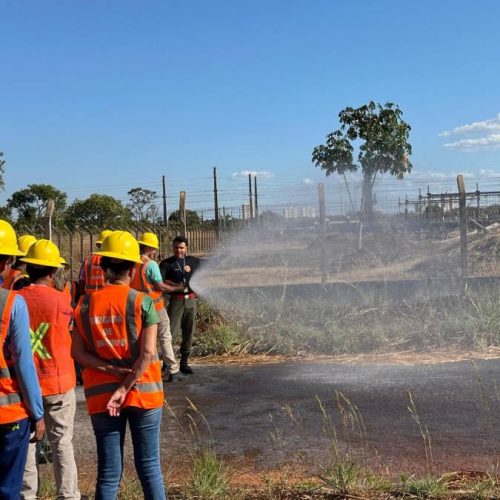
(181, 307)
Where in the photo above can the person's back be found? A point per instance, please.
(115, 341)
(91, 275)
(50, 317)
(111, 323)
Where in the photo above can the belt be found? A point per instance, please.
(183, 296)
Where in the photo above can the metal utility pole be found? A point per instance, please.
(322, 222)
(250, 195)
(462, 213)
(182, 211)
(256, 209)
(216, 201)
(165, 219)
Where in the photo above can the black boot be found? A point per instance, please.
(184, 367)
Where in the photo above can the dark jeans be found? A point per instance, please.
(14, 440)
(182, 315)
(110, 434)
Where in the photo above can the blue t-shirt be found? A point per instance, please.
(18, 348)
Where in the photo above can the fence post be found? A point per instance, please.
(322, 222)
(462, 212)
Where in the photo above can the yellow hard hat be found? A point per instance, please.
(120, 245)
(43, 253)
(103, 235)
(25, 241)
(8, 240)
(149, 240)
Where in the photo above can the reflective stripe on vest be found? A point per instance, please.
(12, 407)
(132, 334)
(50, 316)
(140, 282)
(110, 322)
(109, 388)
(94, 274)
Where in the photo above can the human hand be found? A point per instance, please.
(120, 371)
(39, 430)
(115, 402)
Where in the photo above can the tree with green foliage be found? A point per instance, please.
(381, 137)
(98, 210)
(31, 203)
(193, 220)
(142, 204)
(2, 171)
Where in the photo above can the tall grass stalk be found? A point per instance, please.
(424, 432)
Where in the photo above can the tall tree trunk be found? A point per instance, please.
(367, 201)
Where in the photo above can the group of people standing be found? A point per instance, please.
(111, 332)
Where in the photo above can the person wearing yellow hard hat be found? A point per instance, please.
(16, 271)
(50, 317)
(18, 277)
(21, 403)
(148, 279)
(114, 340)
(91, 277)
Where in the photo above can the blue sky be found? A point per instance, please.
(104, 96)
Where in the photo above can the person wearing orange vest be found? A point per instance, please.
(147, 278)
(21, 406)
(114, 340)
(16, 278)
(50, 317)
(91, 277)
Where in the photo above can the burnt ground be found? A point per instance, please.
(262, 417)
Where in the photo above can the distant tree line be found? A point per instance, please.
(28, 206)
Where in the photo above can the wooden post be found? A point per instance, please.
(462, 212)
(182, 211)
(322, 222)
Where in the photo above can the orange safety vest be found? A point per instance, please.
(93, 274)
(110, 323)
(12, 409)
(50, 316)
(12, 277)
(140, 282)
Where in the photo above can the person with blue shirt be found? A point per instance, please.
(21, 405)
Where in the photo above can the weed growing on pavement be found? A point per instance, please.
(427, 487)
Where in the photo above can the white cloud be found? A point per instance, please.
(491, 125)
(264, 174)
(491, 141)
(308, 181)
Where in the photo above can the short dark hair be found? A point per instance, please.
(180, 239)
(38, 272)
(118, 267)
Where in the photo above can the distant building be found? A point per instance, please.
(299, 212)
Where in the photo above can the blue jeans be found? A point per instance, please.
(110, 434)
(14, 440)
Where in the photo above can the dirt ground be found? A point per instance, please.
(266, 416)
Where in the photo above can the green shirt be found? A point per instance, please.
(149, 314)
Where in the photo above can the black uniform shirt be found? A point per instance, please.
(173, 269)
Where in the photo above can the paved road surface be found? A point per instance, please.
(265, 415)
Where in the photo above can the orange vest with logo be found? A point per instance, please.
(140, 282)
(110, 323)
(50, 316)
(12, 409)
(93, 274)
(12, 277)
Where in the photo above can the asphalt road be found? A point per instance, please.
(262, 416)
